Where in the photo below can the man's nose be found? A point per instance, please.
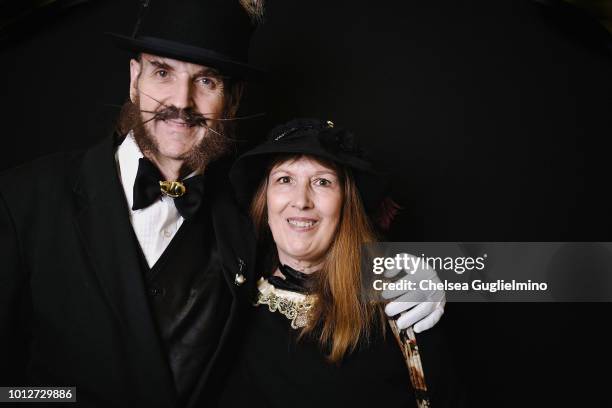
(182, 93)
(302, 198)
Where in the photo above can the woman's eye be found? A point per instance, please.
(323, 182)
(283, 180)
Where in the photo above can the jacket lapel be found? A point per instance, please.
(103, 222)
(236, 242)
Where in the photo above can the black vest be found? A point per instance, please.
(189, 299)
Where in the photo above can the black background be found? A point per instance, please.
(493, 115)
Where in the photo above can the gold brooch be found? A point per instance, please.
(172, 189)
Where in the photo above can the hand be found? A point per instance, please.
(421, 307)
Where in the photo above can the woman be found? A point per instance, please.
(314, 339)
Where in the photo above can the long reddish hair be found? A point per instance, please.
(342, 315)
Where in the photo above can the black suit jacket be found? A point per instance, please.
(73, 306)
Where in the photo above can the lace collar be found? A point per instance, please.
(293, 305)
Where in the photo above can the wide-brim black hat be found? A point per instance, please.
(311, 137)
(214, 33)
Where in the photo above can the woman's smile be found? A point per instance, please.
(302, 224)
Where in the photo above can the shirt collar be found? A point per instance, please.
(127, 156)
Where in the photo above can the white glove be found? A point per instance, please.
(422, 308)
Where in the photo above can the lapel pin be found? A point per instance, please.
(239, 279)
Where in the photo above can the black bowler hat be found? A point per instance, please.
(316, 138)
(214, 33)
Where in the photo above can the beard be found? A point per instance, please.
(213, 145)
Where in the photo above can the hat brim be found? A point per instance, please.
(188, 53)
(248, 171)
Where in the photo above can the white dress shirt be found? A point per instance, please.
(155, 225)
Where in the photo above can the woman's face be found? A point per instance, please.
(304, 200)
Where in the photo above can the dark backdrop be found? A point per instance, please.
(493, 115)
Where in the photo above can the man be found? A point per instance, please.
(127, 268)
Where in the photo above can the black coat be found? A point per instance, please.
(73, 306)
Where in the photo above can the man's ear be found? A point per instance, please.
(135, 68)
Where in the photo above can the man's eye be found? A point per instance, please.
(162, 73)
(208, 82)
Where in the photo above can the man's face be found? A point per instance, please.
(158, 83)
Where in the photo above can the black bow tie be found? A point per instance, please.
(149, 186)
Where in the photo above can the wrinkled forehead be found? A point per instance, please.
(151, 61)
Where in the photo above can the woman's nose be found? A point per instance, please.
(302, 197)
